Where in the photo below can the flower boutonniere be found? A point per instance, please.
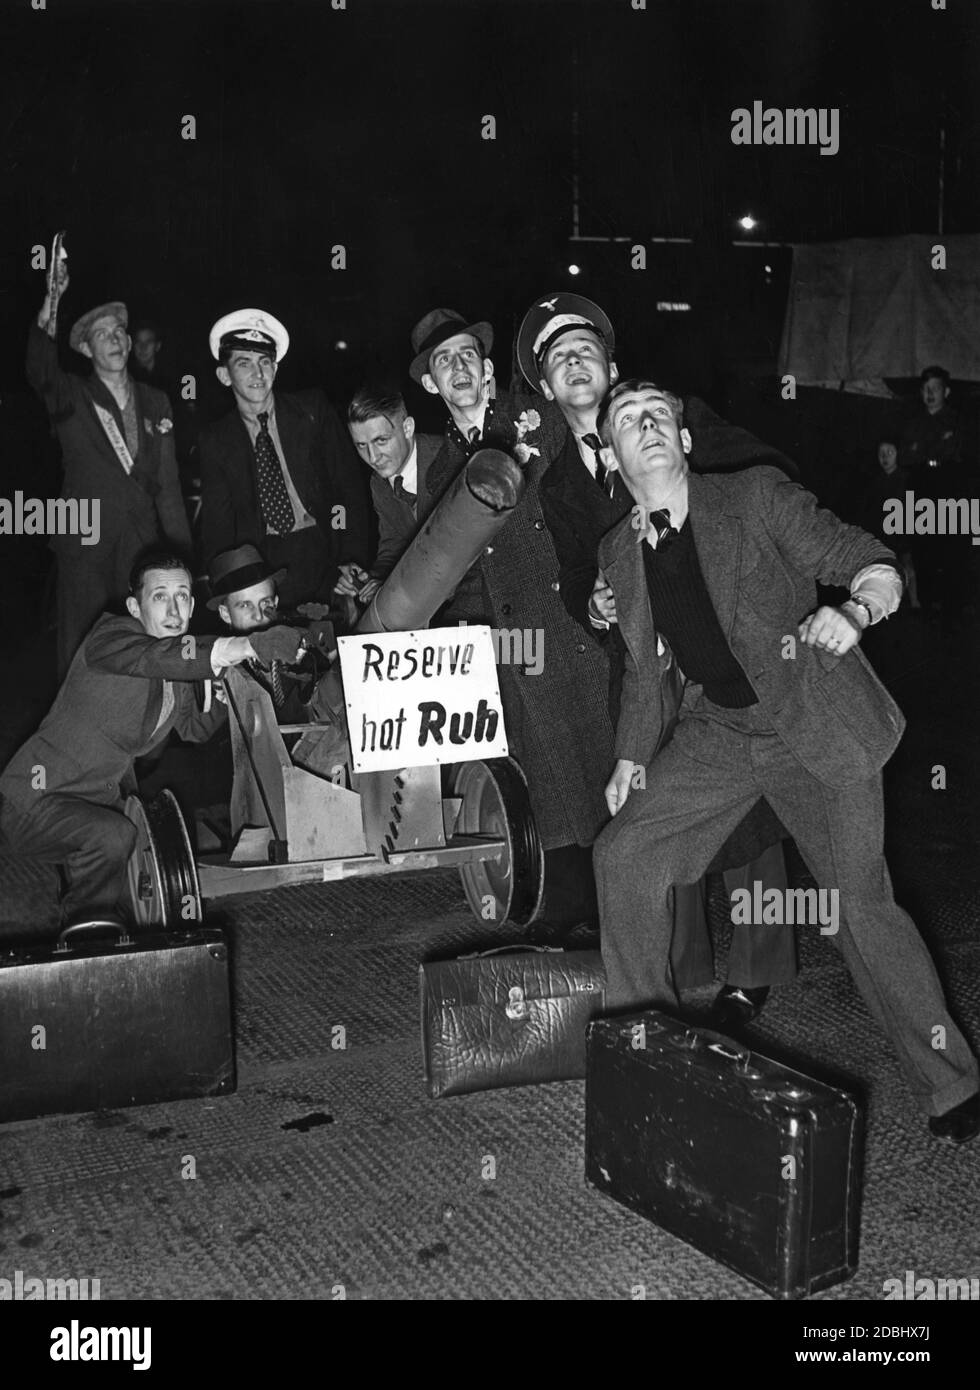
(165, 425)
(529, 421)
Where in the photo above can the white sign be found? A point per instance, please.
(418, 698)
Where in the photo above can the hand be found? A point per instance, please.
(277, 644)
(618, 786)
(368, 591)
(351, 580)
(602, 601)
(830, 629)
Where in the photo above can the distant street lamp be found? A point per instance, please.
(747, 224)
(574, 269)
(340, 345)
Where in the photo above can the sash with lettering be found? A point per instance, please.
(108, 422)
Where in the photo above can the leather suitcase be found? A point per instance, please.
(752, 1163)
(512, 1016)
(100, 1021)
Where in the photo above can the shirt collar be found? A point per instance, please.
(409, 474)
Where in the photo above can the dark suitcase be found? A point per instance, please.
(748, 1161)
(100, 1021)
(512, 1016)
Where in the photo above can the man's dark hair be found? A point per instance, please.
(368, 403)
(631, 386)
(940, 373)
(155, 560)
(141, 325)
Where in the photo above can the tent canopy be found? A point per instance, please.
(865, 309)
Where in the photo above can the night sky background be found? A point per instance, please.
(363, 127)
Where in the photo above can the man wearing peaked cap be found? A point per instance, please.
(556, 717)
(278, 471)
(565, 347)
(117, 441)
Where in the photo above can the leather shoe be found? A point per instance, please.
(735, 1008)
(959, 1125)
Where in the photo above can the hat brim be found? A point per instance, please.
(241, 579)
(229, 322)
(483, 331)
(534, 320)
(80, 328)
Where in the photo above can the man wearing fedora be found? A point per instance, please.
(566, 350)
(557, 722)
(116, 437)
(244, 591)
(278, 471)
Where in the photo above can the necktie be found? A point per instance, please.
(473, 435)
(273, 497)
(595, 444)
(402, 492)
(660, 521)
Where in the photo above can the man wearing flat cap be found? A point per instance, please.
(116, 437)
(566, 350)
(278, 471)
(557, 722)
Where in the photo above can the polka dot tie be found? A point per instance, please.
(273, 497)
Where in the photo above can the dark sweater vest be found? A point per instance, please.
(684, 614)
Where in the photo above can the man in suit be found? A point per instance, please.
(278, 470)
(565, 347)
(555, 711)
(716, 574)
(384, 435)
(117, 442)
(131, 682)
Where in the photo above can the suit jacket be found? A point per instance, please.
(322, 463)
(558, 724)
(105, 715)
(135, 510)
(579, 513)
(761, 541)
(397, 523)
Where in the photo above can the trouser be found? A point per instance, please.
(757, 957)
(697, 789)
(93, 843)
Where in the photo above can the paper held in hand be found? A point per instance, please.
(418, 698)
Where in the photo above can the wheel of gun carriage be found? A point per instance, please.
(162, 875)
(496, 804)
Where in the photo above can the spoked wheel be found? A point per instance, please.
(162, 874)
(496, 804)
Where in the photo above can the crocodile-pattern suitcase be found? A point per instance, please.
(752, 1163)
(102, 1020)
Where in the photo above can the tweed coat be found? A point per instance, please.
(558, 724)
(761, 542)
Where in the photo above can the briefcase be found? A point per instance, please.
(512, 1016)
(752, 1163)
(103, 1020)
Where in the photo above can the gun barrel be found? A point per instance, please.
(476, 506)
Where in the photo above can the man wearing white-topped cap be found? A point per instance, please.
(279, 471)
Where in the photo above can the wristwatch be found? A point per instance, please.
(860, 603)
